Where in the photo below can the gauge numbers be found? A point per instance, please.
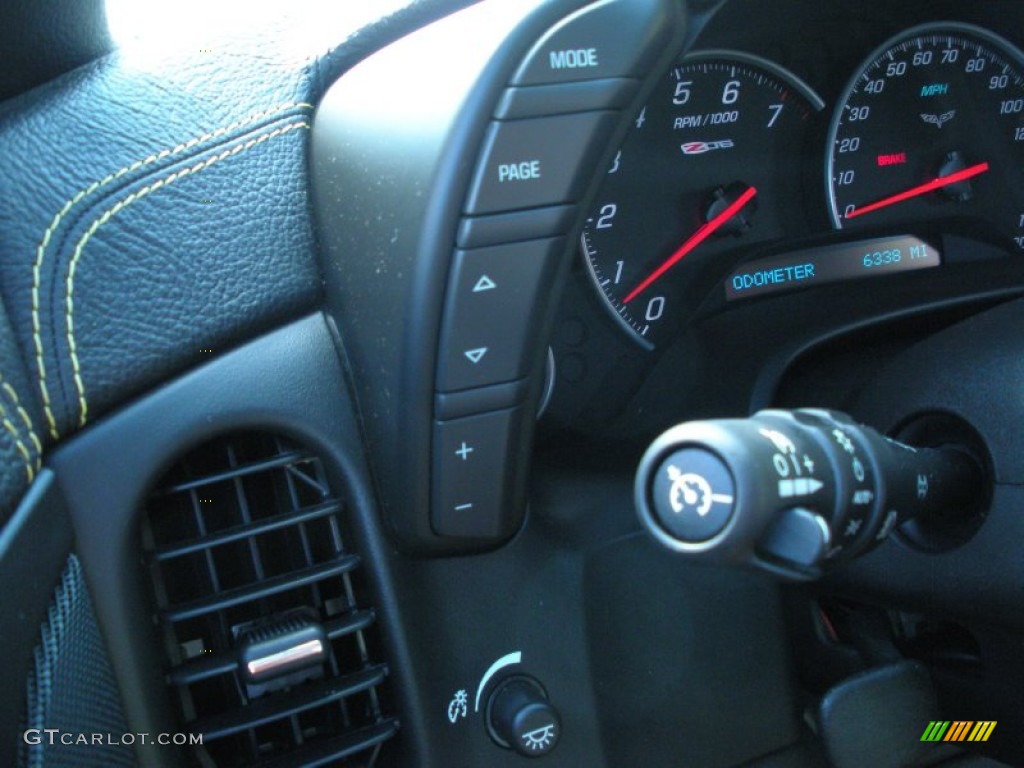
(707, 167)
(931, 126)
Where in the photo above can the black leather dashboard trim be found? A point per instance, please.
(121, 264)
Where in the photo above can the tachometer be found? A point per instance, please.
(711, 164)
(932, 125)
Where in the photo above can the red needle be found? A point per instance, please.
(695, 239)
(921, 189)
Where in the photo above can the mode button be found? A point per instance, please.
(612, 38)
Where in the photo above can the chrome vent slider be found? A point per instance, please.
(281, 646)
(268, 627)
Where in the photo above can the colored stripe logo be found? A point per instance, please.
(959, 730)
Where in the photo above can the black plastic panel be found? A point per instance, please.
(586, 600)
(480, 231)
(388, 251)
(970, 370)
(563, 99)
(34, 546)
(291, 382)
(649, 660)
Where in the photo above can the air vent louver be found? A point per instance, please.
(244, 542)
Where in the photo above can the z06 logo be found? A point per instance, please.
(700, 147)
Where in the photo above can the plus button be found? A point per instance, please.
(464, 451)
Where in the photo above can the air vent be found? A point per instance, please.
(270, 641)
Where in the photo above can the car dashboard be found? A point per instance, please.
(357, 469)
(725, 312)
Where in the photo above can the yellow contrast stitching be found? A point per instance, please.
(29, 469)
(113, 211)
(13, 395)
(72, 202)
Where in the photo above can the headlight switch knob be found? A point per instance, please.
(520, 717)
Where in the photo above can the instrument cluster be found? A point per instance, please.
(740, 178)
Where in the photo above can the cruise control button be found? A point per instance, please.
(542, 161)
(495, 302)
(612, 38)
(471, 492)
(694, 495)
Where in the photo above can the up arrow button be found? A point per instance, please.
(484, 284)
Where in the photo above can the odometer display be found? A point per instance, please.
(932, 127)
(830, 264)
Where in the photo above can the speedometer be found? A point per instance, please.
(932, 126)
